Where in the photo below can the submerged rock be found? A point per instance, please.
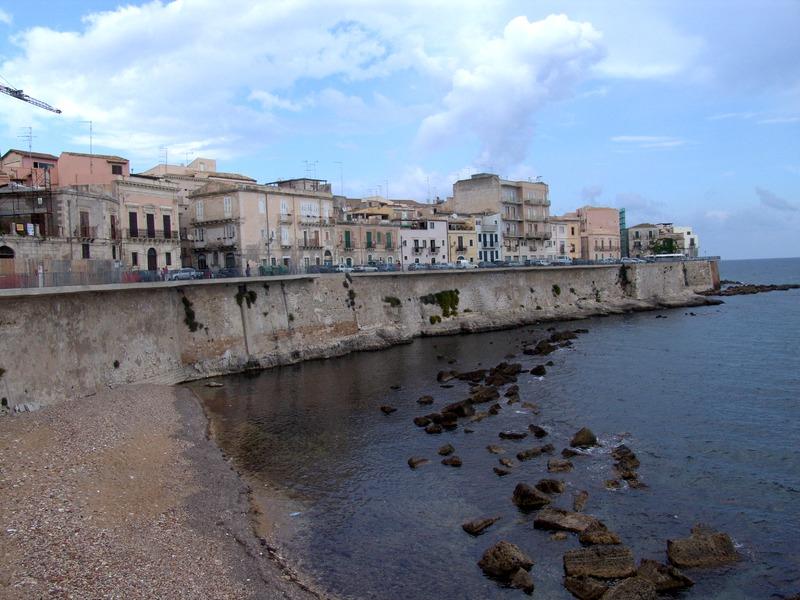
(579, 500)
(506, 462)
(483, 393)
(559, 536)
(585, 588)
(551, 486)
(416, 461)
(529, 454)
(512, 435)
(663, 577)
(521, 580)
(537, 431)
(584, 438)
(387, 410)
(569, 453)
(422, 421)
(562, 336)
(539, 371)
(557, 465)
(452, 461)
(478, 526)
(512, 391)
(463, 408)
(705, 547)
(501, 472)
(425, 400)
(563, 520)
(503, 560)
(635, 588)
(495, 449)
(446, 450)
(434, 428)
(475, 376)
(495, 409)
(597, 534)
(526, 497)
(603, 562)
(445, 376)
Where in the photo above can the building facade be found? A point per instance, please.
(490, 236)
(599, 232)
(462, 240)
(424, 242)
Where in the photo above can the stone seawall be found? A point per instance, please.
(70, 342)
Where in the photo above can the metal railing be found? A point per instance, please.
(151, 234)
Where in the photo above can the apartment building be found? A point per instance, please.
(424, 242)
(462, 239)
(599, 232)
(558, 244)
(524, 208)
(647, 239)
(367, 241)
(490, 236)
(288, 223)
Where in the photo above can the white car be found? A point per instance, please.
(465, 264)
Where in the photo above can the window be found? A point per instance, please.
(199, 210)
(114, 227)
(168, 258)
(133, 224)
(85, 251)
(116, 169)
(199, 234)
(226, 206)
(114, 252)
(135, 259)
(167, 220)
(388, 240)
(284, 236)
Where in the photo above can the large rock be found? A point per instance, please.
(625, 457)
(704, 548)
(452, 461)
(474, 376)
(462, 408)
(563, 520)
(503, 559)
(512, 391)
(598, 534)
(551, 486)
(603, 562)
(542, 348)
(537, 431)
(434, 428)
(562, 336)
(529, 498)
(584, 438)
(483, 393)
(529, 453)
(446, 450)
(521, 580)
(635, 588)
(422, 421)
(416, 461)
(539, 371)
(478, 526)
(444, 376)
(663, 577)
(585, 588)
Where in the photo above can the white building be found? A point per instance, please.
(691, 243)
(557, 245)
(490, 237)
(424, 241)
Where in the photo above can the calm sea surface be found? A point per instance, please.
(710, 404)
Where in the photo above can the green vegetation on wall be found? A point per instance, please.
(392, 301)
(556, 290)
(446, 299)
(190, 320)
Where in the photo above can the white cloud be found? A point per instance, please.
(649, 141)
(495, 97)
(5, 17)
(779, 120)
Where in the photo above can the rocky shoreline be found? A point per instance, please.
(124, 495)
(737, 288)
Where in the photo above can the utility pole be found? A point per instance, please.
(166, 157)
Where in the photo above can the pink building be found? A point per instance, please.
(599, 228)
(76, 168)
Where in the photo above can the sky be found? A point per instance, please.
(679, 111)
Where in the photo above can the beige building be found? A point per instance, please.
(647, 239)
(599, 232)
(424, 242)
(462, 238)
(524, 208)
(367, 241)
(285, 223)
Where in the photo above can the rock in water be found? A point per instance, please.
(584, 438)
(557, 465)
(585, 588)
(503, 560)
(495, 449)
(537, 431)
(526, 497)
(603, 562)
(507, 462)
(529, 454)
(422, 421)
(663, 577)
(559, 519)
(704, 548)
(416, 461)
(512, 391)
(551, 486)
(579, 500)
(452, 461)
(462, 408)
(522, 580)
(387, 410)
(501, 472)
(635, 588)
(597, 534)
(478, 526)
(539, 371)
(434, 428)
(425, 400)
(214, 384)
(512, 435)
(446, 450)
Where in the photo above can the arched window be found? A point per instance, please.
(6, 252)
(152, 261)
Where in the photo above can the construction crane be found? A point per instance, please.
(20, 95)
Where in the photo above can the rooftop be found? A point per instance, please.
(108, 157)
(26, 153)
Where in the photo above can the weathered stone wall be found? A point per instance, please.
(67, 343)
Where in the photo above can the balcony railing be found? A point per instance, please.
(150, 234)
(538, 235)
(311, 243)
(313, 221)
(286, 218)
(537, 201)
(488, 228)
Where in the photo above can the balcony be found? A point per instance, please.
(537, 201)
(286, 218)
(491, 228)
(461, 248)
(370, 246)
(150, 234)
(311, 243)
(312, 221)
(85, 232)
(538, 235)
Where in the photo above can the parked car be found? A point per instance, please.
(364, 269)
(562, 260)
(229, 272)
(632, 261)
(183, 274)
(417, 267)
(386, 267)
(514, 263)
(538, 263)
(343, 269)
(465, 264)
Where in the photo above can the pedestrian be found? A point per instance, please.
(247, 269)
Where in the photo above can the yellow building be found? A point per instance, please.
(462, 240)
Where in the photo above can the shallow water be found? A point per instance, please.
(709, 403)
